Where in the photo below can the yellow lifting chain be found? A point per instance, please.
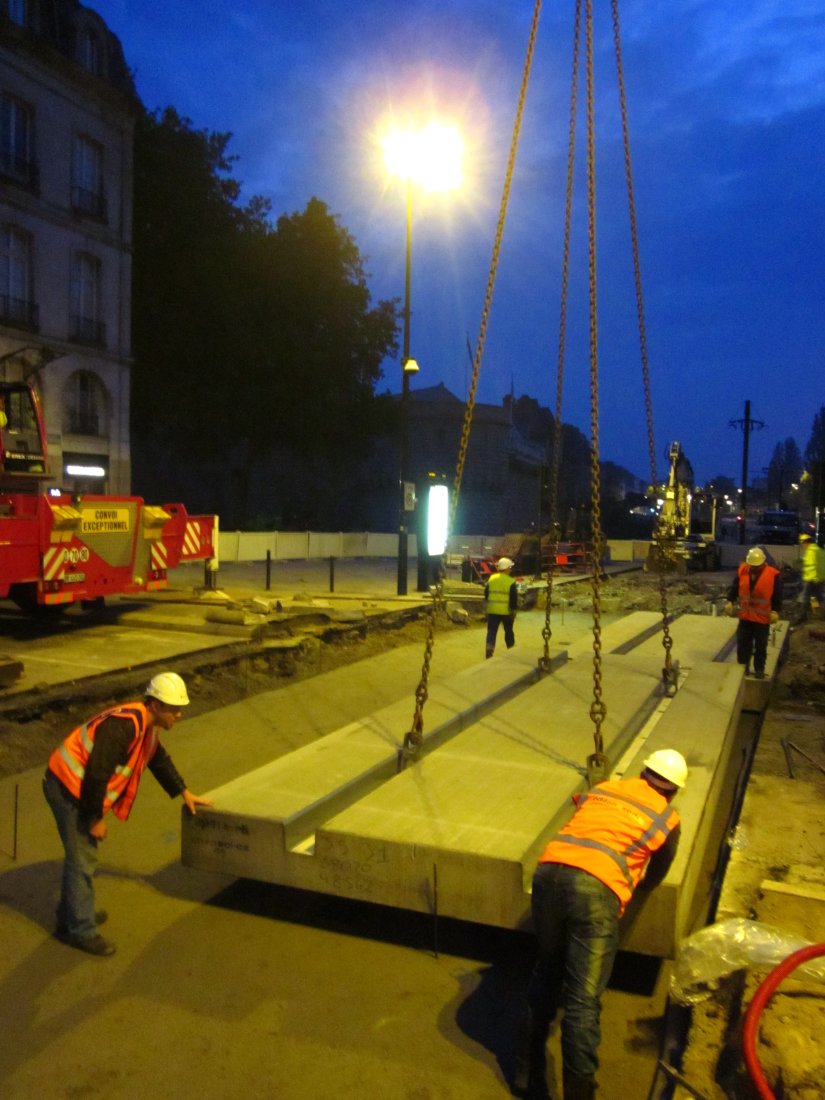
(597, 762)
(547, 632)
(670, 672)
(411, 748)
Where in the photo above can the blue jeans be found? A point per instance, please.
(76, 908)
(576, 921)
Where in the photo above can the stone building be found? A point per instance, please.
(66, 135)
(501, 485)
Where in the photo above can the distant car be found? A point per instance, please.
(779, 527)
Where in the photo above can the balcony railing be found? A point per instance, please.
(90, 203)
(86, 330)
(18, 312)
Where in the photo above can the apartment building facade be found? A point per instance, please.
(67, 111)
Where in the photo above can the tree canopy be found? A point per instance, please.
(250, 339)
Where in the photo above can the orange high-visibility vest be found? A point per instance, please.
(755, 606)
(68, 761)
(612, 834)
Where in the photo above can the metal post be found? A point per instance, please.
(331, 573)
(268, 569)
(746, 422)
(405, 412)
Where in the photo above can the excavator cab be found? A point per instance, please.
(22, 436)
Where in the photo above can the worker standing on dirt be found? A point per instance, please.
(758, 588)
(97, 769)
(501, 595)
(813, 574)
(586, 876)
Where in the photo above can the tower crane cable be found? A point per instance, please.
(413, 739)
(670, 670)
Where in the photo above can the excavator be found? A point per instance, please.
(674, 548)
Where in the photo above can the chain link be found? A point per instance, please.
(668, 672)
(555, 527)
(413, 739)
(598, 710)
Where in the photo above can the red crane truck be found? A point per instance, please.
(61, 548)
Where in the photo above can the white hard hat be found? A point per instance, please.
(670, 765)
(504, 564)
(755, 556)
(168, 687)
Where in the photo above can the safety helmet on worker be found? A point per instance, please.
(805, 537)
(755, 556)
(169, 688)
(669, 765)
(504, 565)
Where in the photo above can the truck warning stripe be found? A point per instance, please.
(159, 556)
(191, 539)
(53, 563)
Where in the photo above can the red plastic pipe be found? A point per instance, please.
(761, 998)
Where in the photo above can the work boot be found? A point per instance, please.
(530, 1076)
(579, 1086)
(488, 654)
(94, 945)
(759, 674)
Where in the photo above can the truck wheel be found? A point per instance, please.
(25, 596)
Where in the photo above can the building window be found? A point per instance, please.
(87, 177)
(84, 404)
(85, 325)
(16, 10)
(88, 50)
(16, 305)
(16, 128)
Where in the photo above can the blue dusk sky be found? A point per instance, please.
(726, 107)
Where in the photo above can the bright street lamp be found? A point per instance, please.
(429, 158)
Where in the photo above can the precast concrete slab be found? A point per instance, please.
(458, 831)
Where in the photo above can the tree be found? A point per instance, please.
(784, 469)
(815, 460)
(257, 347)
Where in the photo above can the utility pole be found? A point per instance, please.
(746, 425)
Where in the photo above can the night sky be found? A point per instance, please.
(726, 104)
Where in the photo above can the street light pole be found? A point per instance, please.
(405, 408)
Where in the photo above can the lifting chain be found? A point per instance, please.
(597, 762)
(670, 671)
(555, 530)
(413, 740)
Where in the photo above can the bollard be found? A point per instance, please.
(268, 569)
(331, 573)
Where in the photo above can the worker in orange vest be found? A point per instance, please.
(758, 589)
(623, 831)
(98, 769)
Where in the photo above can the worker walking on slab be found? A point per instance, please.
(623, 831)
(758, 589)
(97, 769)
(501, 595)
(813, 575)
